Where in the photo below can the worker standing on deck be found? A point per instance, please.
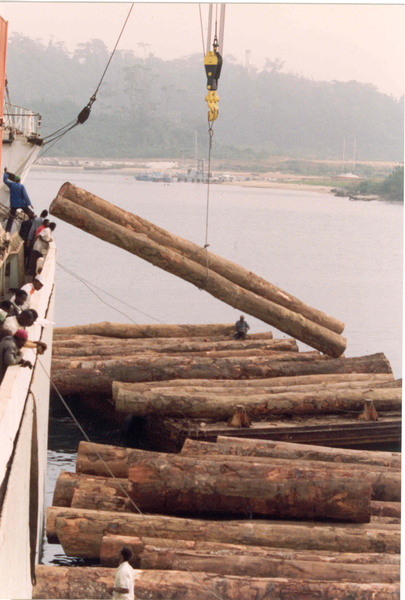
(41, 246)
(10, 354)
(29, 289)
(18, 199)
(124, 577)
(242, 328)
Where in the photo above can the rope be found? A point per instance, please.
(85, 113)
(88, 284)
(210, 133)
(202, 31)
(138, 510)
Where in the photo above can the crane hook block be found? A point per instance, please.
(212, 64)
(212, 100)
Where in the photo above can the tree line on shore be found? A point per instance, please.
(148, 107)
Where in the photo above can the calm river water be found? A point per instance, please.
(342, 257)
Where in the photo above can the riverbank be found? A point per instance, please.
(267, 180)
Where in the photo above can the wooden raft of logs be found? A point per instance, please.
(93, 517)
(202, 380)
(227, 281)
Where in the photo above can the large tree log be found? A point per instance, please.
(93, 582)
(80, 532)
(93, 459)
(83, 341)
(129, 330)
(175, 484)
(175, 346)
(222, 559)
(243, 387)
(60, 363)
(96, 377)
(157, 556)
(292, 323)
(230, 270)
(210, 405)
(111, 544)
(103, 493)
(385, 484)
(307, 452)
(324, 380)
(106, 493)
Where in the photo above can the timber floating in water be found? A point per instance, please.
(92, 519)
(107, 222)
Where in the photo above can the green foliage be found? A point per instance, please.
(392, 188)
(152, 108)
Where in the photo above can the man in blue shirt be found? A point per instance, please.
(18, 198)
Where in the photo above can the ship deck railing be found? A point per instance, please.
(20, 120)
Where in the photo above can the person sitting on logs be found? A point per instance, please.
(242, 328)
(18, 199)
(10, 354)
(124, 577)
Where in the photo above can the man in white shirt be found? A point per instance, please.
(29, 288)
(41, 246)
(124, 578)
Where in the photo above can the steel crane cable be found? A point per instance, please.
(85, 112)
(213, 64)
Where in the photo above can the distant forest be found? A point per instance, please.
(149, 107)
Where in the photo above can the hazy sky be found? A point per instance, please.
(323, 41)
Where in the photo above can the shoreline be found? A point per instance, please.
(257, 183)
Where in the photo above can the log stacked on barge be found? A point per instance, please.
(205, 382)
(92, 518)
(221, 278)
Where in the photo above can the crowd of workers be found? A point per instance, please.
(16, 314)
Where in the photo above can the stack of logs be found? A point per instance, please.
(185, 375)
(216, 524)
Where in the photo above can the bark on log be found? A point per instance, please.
(175, 484)
(111, 544)
(208, 405)
(93, 492)
(227, 269)
(61, 361)
(129, 330)
(79, 340)
(292, 323)
(93, 582)
(96, 377)
(385, 484)
(119, 459)
(105, 493)
(307, 452)
(176, 346)
(243, 388)
(274, 356)
(160, 558)
(386, 509)
(372, 379)
(80, 532)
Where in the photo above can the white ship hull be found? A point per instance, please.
(24, 408)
